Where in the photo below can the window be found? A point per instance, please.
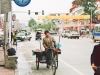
(97, 29)
(21, 34)
(67, 31)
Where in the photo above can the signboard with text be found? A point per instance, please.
(67, 17)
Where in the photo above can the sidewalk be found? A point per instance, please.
(3, 70)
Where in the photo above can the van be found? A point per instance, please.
(96, 33)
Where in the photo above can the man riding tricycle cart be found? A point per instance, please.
(49, 55)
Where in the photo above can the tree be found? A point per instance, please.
(80, 2)
(31, 22)
(77, 2)
(86, 4)
(44, 26)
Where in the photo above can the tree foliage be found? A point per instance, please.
(77, 2)
(44, 26)
(88, 5)
(31, 22)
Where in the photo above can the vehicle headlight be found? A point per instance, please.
(22, 37)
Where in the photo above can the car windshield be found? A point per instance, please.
(73, 32)
(97, 29)
(83, 29)
(21, 34)
(67, 31)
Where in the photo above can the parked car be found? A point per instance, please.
(62, 34)
(38, 36)
(24, 36)
(53, 33)
(65, 33)
(74, 34)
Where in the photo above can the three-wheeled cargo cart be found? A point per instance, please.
(41, 58)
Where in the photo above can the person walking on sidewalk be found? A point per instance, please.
(88, 32)
(95, 59)
(48, 43)
(14, 38)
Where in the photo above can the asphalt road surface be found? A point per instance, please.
(74, 59)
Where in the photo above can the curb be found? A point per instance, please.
(16, 71)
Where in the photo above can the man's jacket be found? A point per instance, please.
(95, 56)
(49, 42)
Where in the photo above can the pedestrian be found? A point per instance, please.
(88, 32)
(95, 59)
(14, 38)
(49, 44)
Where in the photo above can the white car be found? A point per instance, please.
(62, 34)
(24, 36)
(74, 34)
(65, 33)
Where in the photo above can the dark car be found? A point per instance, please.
(38, 36)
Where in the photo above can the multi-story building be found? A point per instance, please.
(60, 14)
(98, 10)
(61, 23)
(16, 25)
(78, 10)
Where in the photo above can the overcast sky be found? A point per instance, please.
(49, 6)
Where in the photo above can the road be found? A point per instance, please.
(74, 59)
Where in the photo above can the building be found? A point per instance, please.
(1, 21)
(98, 10)
(59, 14)
(78, 10)
(61, 23)
(16, 25)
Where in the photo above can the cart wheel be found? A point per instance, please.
(56, 61)
(37, 63)
(53, 66)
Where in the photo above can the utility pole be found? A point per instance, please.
(51, 25)
(43, 24)
(91, 21)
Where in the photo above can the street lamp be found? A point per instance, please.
(51, 25)
(91, 8)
